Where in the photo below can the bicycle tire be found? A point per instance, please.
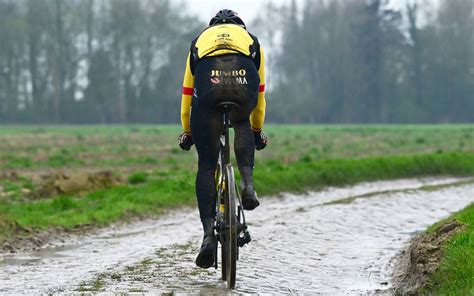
(220, 182)
(223, 258)
(230, 217)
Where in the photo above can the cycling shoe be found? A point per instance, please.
(205, 258)
(249, 199)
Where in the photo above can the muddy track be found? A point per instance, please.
(338, 241)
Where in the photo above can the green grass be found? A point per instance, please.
(154, 145)
(455, 275)
(104, 206)
(95, 285)
(275, 177)
(13, 190)
(138, 177)
(177, 188)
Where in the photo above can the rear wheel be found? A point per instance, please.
(230, 217)
(223, 259)
(220, 180)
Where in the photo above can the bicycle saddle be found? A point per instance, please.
(227, 106)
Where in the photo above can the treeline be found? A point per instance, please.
(92, 61)
(338, 61)
(361, 61)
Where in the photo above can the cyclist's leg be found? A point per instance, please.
(206, 128)
(244, 143)
(244, 147)
(206, 132)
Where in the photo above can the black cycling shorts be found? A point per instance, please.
(226, 78)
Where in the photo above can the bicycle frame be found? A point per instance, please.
(230, 219)
(225, 152)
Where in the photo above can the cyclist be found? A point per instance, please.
(225, 63)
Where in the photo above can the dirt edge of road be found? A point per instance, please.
(28, 240)
(423, 257)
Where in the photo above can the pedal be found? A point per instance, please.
(219, 227)
(245, 239)
(241, 227)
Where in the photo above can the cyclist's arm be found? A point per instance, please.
(257, 117)
(188, 88)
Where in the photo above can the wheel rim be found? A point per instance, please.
(231, 229)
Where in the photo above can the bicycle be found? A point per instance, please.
(230, 225)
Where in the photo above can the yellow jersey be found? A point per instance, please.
(219, 40)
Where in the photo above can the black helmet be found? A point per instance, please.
(225, 16)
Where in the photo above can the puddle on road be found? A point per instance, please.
(428, 187)
(41, 254)
(301, 244)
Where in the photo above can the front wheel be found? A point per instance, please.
(230, 218)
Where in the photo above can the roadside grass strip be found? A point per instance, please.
(274, 177)
(174, 189)
(455, 275)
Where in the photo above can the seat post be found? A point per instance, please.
(226, 107)
(226, 131)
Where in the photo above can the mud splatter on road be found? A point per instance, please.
(337, 241)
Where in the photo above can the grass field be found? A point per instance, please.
(157, 175)
(155, 146)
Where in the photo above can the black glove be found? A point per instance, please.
(185, 141)
(260, 139)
